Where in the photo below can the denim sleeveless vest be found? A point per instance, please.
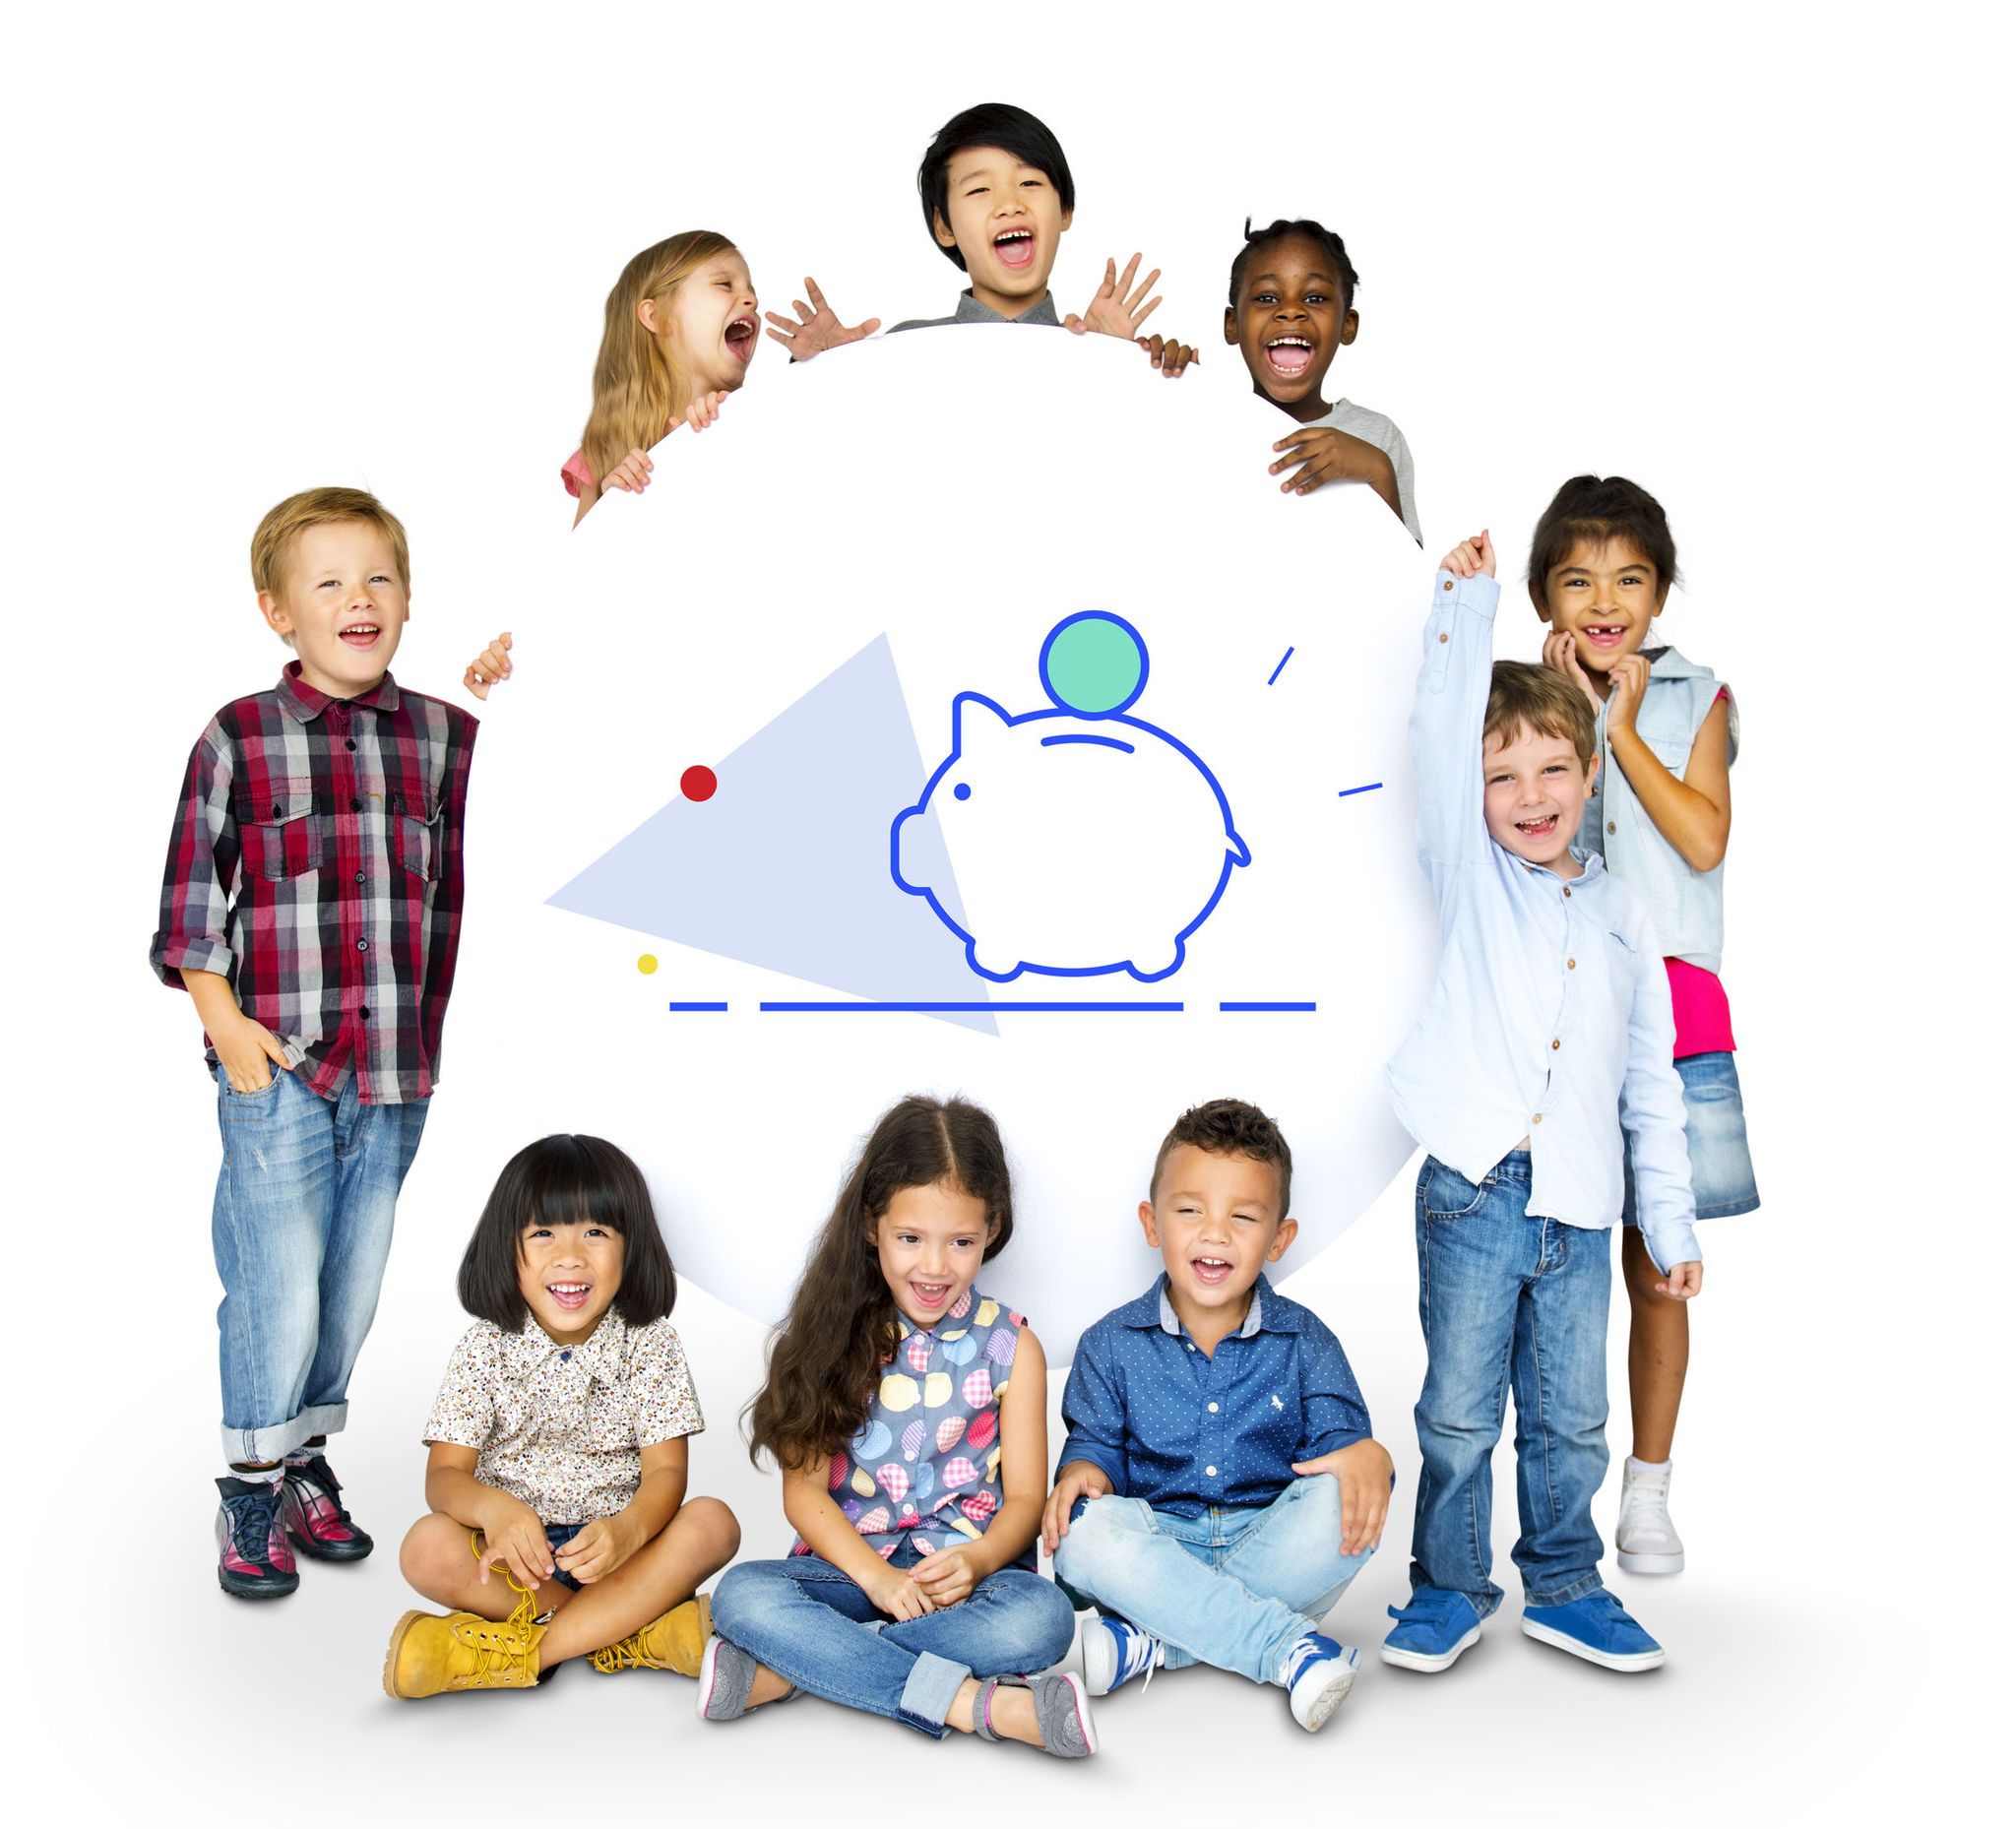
(1686, 904)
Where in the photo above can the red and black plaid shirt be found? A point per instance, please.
(317, 864)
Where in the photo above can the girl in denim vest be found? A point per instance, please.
(906, 1410)
(1603, 561)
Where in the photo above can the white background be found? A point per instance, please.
(1747, 257)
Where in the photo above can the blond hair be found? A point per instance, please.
(1539, 699)
(638, 390)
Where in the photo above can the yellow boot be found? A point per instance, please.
(674, 1641)
(431, 1653)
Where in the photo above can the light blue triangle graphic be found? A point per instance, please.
(786, 864)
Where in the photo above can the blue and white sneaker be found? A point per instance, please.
(1317, 1674)
(1112, 1651)
(1598, 1629)
(1436, 1626)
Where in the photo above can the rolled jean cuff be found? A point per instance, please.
(1589, 1583)
(280, 1439)
(928, 1691)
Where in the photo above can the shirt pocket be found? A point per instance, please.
(416, 832)
(284, 836)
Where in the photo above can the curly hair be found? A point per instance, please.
(1229, 1127)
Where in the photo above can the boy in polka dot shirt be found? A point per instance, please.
(1220, 1485)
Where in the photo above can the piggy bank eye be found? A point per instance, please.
(962, 793)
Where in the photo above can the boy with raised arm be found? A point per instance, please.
(1549, 1018)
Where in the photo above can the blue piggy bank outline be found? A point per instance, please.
(1236, 853)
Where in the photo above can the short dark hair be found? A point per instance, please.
(1600, 508)
(562, 1180)
(1229, 1127)
(1016, 132)
(1279, 229)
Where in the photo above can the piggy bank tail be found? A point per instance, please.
(1237, 847)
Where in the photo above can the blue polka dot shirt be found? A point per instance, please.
(1189, 1432)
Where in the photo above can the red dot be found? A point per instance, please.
(698, 783)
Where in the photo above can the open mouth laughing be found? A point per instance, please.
(1290, 356)
(930, 1296)
(740, 337)
(1539, 829)
(570, 1295)
(1015, 248)
(359, 635)
(1211, 1272)
(1605, 636)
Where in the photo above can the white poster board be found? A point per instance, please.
(1033, 746)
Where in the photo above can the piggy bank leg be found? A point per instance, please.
(1157, 961)
(992, 964)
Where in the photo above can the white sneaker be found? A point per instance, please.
(1317, 1676)
(1647, 1543)
(1112, 1651)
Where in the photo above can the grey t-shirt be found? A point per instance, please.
(1376, 428)
(971, 311)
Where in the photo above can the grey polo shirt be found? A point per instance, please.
(1376, 428)
(971, 311)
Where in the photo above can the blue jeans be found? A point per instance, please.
(1508, 1300)
(301, 1227)
(816, 1627)
(1717, 1141)
(1235, 1589)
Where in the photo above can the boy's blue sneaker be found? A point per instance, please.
(1598, 1629)
(1112, 1651)
(1436, 1626)
(1317, 1674)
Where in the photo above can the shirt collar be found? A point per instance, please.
(964, 1306)
(1155, 1310)
(971, 311)
(304, 703)
(529, 1350)
(1592, 866)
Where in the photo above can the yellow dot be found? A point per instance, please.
(647, 963)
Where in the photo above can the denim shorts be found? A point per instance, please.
(556, 1535)
(1718, 1143)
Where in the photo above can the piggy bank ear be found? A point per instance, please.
(977, 723)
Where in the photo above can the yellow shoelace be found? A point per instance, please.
(494, 1658)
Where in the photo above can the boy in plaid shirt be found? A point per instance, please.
(310, 908)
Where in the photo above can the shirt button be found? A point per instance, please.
(363, 946)
(360, 876)
(1213, 1407)
(358, 806)
(276, 809)
(1536, 1117)
(1571, 964)
(1565, 890)
(1448, 584)
(350, 742)
(1190, 1346)
(363, 1016)
(1555, 1044)
(1611, 826)
(1210, 1473)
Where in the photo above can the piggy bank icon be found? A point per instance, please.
(1081, 841)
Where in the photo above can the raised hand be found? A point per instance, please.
(489, 667)
(818, 326)
(1114, 311)
(1470, 557)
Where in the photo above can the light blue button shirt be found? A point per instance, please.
(1553, 996)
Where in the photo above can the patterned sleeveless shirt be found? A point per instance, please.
(925, 1467)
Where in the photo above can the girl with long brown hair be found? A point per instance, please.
(678, 334)
(907, 1412)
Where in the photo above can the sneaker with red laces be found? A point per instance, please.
(253, 1561)
(315, 1517)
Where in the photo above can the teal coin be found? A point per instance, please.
(1094, 664)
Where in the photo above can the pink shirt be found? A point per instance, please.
(575, 475)
(1701, 1022)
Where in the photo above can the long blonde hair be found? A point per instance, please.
(638, 391)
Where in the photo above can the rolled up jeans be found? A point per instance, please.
(815, 1626)
(301, 1227)
(1230, 1588)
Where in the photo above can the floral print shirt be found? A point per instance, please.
(560, 1427)
(925, 1467)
